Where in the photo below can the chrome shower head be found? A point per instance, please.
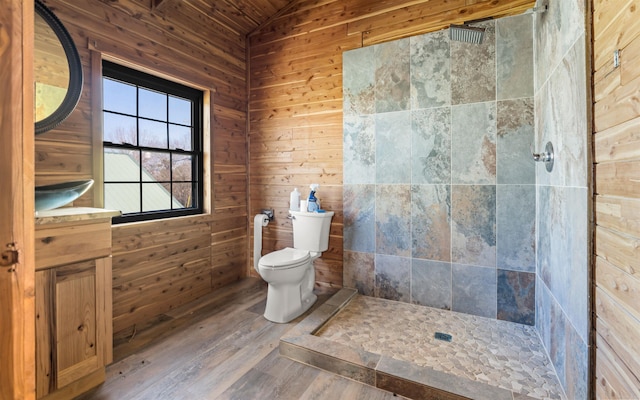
(466, 33)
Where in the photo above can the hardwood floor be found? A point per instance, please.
(220, 347)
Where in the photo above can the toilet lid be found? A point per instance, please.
(285, 258)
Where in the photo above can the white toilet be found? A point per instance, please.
(289, 272)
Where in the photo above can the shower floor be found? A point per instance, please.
(394, 344)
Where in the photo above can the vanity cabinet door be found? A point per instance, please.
(71, 324)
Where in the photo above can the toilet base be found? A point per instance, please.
(285, 303)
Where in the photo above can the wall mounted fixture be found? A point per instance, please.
(547, 157)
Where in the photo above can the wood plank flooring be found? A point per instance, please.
(220, 347)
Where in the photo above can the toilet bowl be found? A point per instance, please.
(289, 271)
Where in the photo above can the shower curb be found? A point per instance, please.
(404, 378)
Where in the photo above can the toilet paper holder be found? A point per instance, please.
(268, 212)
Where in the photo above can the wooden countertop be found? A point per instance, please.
(71, 214)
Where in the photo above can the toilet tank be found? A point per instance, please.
(311, 230)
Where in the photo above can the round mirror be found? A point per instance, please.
(57, 70)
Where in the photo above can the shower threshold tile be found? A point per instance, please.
(392, 345)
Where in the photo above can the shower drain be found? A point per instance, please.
(443, 336)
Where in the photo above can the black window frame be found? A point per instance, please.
(144, 80)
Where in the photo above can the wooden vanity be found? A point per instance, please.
(73, 300)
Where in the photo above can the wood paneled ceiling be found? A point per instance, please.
(240, 16)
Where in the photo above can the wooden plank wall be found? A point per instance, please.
(295, 98)
(160, 265)
(616, 26)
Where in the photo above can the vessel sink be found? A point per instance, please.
(53, 196)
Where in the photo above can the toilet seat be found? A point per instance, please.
(285, 259)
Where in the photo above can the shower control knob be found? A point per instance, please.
(547, 157)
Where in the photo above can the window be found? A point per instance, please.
(152, 138)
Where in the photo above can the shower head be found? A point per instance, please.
(466, 33)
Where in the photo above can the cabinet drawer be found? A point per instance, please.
(61, 244)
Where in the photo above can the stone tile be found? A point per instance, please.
(359, 218)
(577, 365)
(473, 143)
(431, 146)
(473, 68)
(341, 298)
(393, 277)
(424, 381)
(515, 139)
(430, 70)
(514, 54)
(431, 283)
(393, 147)
(473, 216)
(515, 227)
(561, 109)
(359, 272)
(485, 356)
(393, 220)
(555, 31)
(393, 80)
(359, 149)
(318, 357)
(516, 297)
(431, 222)
(562, 251)
(474, 290)
(358, 81)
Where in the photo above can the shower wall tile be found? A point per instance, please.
(359, 272)
(431, 283)
(474, 290)
(473, 143)
(431, 145)
(473, 68)
(359, 218)
(515, 130)
(431, 222)
(561, 115)
(393, 147)
(393, 220)
(516, 296)
(555, 31)
(514, 54)
(473, 216)
(393, 277)
(515, 227)
(430, 70)
(576, 365)
(359, 149)
(358, 81)
(563, 250)
(392, 77)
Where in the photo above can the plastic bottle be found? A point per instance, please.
(312, 205)
(294, 200)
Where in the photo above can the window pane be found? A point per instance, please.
(119, 97)
(180, 137)
(122, 196)
(119, 129)
(181, 165)
(152, 104)
(183, 193)
(155, 167)
(121, 165)
(152, 134)
(156, 196)
(179, 111)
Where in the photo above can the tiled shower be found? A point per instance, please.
(443, 204)
(439, 185)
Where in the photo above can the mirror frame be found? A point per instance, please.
(76, 77)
